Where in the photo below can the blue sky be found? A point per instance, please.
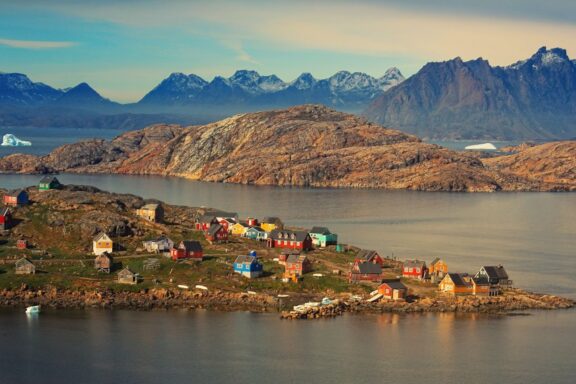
(124, 48)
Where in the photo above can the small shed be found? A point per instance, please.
(126, 276)
(297, 265)
(187, 249)
(151, 212)
(24, 266)
(16, 197)
(393, 289)
(103, 262)
(5, 218)
(21, 244)
(216, 234)
(48, 182)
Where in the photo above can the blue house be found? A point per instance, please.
(248, 266)
(255, 233)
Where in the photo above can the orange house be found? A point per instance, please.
(437, 269)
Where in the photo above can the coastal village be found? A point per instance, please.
(58, 236)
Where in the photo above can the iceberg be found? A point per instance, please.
(9, 140)
(485, 146)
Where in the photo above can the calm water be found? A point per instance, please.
(45, 140)
(532, 234)
(210, 347)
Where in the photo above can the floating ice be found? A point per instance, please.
(485, 146)
(9, 140)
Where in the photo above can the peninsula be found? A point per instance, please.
(79, 247)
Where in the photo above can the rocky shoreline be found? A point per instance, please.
(164, 299)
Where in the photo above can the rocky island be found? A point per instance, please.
(308, 145)
(54, 230)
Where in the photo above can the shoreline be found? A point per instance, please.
(219, 300)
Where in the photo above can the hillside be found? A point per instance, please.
(301, 146)
(531, 99)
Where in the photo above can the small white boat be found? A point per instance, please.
(202, 287)
(252, 293)
(326, 301)
(182, 286)
(317, 275)
(374, 298)
(283, 296)
(312, 304)
(374, 293)
(33, 309)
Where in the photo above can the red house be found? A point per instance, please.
(21, 244)
(226, 222)
(5, 219)
(300, 240)
(415, 269)
(393, 289)
(204, 222)
(365, 272)
(14, 198)
(217, 234)
(297, 265)
(187, 249)
(369, 256)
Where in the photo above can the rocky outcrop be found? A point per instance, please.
(302, 146)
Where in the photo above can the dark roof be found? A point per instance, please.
(394, 284)
(366, 254)
(272, 220)
(15, 192)
(224, 214)
(245, 259)
(287, 235)
(482, 280)
(458, 279)
(126, 271)
(296, 258)
(321, 230)
(23, 261)
(256, 228)
(496, 272)
(206, 218)
(48, 180)
(414, 264)
(191, 245)
(100, 236)
(369, 268)
(435, 261)
(214, 228)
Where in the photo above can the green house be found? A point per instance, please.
(321, 237)
(49, 182)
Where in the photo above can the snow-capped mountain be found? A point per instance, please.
(18, 89)
(530, 99)
(344, 90)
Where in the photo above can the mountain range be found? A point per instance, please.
(531, 99)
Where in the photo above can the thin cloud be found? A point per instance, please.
(238, 48)
(33, 44)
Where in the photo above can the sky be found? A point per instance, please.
(123, 48)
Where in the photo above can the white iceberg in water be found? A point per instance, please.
(485, 146)
(9, 140)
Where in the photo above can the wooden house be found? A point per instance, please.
(248, 266)
(271, 223)
(126, 276)
(160, 245)
(283, 256)
(321, 237)
(297, 265)
(216, 234)
(496, 275)
(48, 182)
(393, 289)
(204, 222)
(464, 284)
(255, 233)
(252, 222)
(365, 272)
(369, 256)
(151, 212)
(227, 223)
(437, 270)
(21, 244)
(103, 263)
(187, 249)
(414, 269)
(24, 266)
(238, 229)
(16, 197)
(6, 220)
(102, 243)
(300, 240)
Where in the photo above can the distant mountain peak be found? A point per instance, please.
(543, 58)
(304, 81)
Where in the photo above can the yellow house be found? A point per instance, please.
(271, 223)
(238, 229)
(151, 212)
(464, 284)
(102, 243)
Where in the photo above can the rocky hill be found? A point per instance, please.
(531, 99)
(302, 146)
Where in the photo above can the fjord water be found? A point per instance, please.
(532, 234)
